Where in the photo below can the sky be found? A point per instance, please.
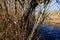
(53, 5)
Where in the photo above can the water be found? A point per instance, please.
(49, 32)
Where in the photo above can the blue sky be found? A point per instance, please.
(53, 5)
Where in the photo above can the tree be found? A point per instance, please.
(18, 20)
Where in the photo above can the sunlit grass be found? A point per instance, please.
(53, 18)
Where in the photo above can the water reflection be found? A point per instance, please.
(49, 32)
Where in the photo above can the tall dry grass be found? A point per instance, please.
(13, 26)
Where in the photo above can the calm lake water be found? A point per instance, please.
(48, 32)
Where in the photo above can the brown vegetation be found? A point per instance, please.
(53, 18)
(17, 21)
(12, 23)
